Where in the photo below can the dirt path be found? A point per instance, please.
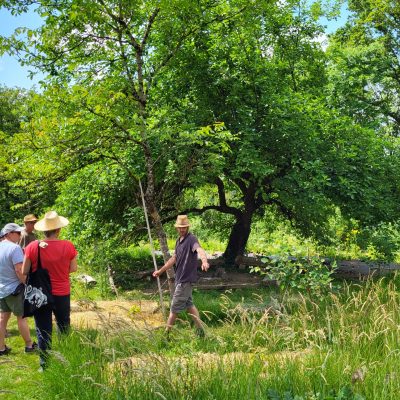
(115, 314)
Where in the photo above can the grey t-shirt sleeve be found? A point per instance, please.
(17, 255)
(195, 244)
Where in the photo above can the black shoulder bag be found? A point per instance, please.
(37, 290)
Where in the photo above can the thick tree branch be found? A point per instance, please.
(150, 23)
(194, 210)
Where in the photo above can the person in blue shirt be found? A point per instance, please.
(11, 290)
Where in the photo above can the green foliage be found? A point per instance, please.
(344, 393)
(293, 150)
(344, 239)
(364, 83)
(211, 226)
(385, 238)
(124, 262)
(342, 346)
(233, 99)
(101, 202)
(14, 198)
(309, 274)
(12, 107)
(272, 234)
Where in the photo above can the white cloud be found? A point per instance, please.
(322, 40)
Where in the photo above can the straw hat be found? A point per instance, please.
(51, 221)
(30, 218)
(182, 221)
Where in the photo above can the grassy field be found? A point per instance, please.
(18, 371)
(259, 344)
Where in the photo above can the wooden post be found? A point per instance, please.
(152, 249)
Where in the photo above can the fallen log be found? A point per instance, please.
(143, 274)
(344, 268)
(227, 286)
(213, 262)
(360, 269)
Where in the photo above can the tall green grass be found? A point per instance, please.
(261, 345)
(18, 371)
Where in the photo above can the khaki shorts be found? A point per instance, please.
(14, 304)
(182, 298)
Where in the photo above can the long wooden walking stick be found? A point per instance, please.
(152, 249)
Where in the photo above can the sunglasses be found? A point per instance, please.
(18, 233)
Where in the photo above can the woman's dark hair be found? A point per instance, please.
(50, 233)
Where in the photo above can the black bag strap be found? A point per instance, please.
(39, 264)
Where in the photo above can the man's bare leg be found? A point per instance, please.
(4, 317)
(194, 313)
(171, 321)
(23, 328)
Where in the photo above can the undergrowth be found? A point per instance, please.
(259, 345)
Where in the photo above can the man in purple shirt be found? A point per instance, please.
(187, 248)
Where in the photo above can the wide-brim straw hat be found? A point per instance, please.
(51, 221)
(30, 218)
(182, 221)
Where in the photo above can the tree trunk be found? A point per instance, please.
(151, 202)
(239, 236)
(162, 238)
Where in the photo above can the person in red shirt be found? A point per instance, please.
(59, 257)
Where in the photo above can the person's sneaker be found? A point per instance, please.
(32, 349)
(6, 351)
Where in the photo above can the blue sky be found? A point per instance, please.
(11, 73)
(14, 75)
(334, 24)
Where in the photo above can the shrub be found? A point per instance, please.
(125, 262)
(303, 273)
(384, 240)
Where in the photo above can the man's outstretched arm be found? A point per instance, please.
(165, 267)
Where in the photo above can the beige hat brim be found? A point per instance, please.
(50, 225)
(30, 218)
(181, 226)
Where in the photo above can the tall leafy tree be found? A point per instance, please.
(129, 81)
(103, 58)
(14, 111)
(366, 67)
(264, 74)
(365, 83)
